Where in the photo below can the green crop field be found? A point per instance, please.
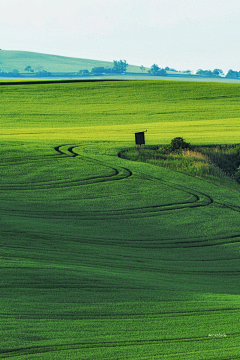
(107, 258)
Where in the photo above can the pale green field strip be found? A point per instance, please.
(200, 131)
(105, 258)
(104, 111)
(54, 63)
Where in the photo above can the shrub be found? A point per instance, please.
(164, 149)
(178, 143)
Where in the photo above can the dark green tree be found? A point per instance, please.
(178, 143)
(119, 66)
(44, 73)
(161, 72)
(28, 68)
(217, 72)
(154, 69)
(98, 70)
(157, 71)
(232, 74)
(204, 72)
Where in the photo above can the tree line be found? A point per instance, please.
(218, 72)
(39, 71)
(157, 71)
(120, 67)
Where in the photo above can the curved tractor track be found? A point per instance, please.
(117, 174)
(199, 199)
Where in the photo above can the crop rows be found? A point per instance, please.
(107, 258)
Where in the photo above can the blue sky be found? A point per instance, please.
(183, 34)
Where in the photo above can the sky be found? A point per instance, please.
(180, 34)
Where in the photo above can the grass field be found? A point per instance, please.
(219, 164)
(10, 59)
(107, 258)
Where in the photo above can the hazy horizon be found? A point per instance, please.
(187, 35)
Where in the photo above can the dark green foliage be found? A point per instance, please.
(237, 175)
(161, 72)
(157, 71)
(165, 149)
(119, 66)
(232, 74)
(209, 73)
(154, 69)
(224, 157)
(83, 72)
(41, 72)
(204, 72)
(29, 69)
(237, 149)
(178, 144)
(217, 72)
(216, 163)
(13, 73)
(101, 70)
(98, 70)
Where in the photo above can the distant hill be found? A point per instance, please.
(10, 60)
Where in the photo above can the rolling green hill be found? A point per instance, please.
(107, 258)
(10, 60)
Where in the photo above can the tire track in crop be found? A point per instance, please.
(117, 344)
(200, 198)
(117, 174)
(166, 243)
(183, 243)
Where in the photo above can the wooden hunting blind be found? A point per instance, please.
(139, 138)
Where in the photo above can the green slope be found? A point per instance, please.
(105, 258)
(10, 60)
